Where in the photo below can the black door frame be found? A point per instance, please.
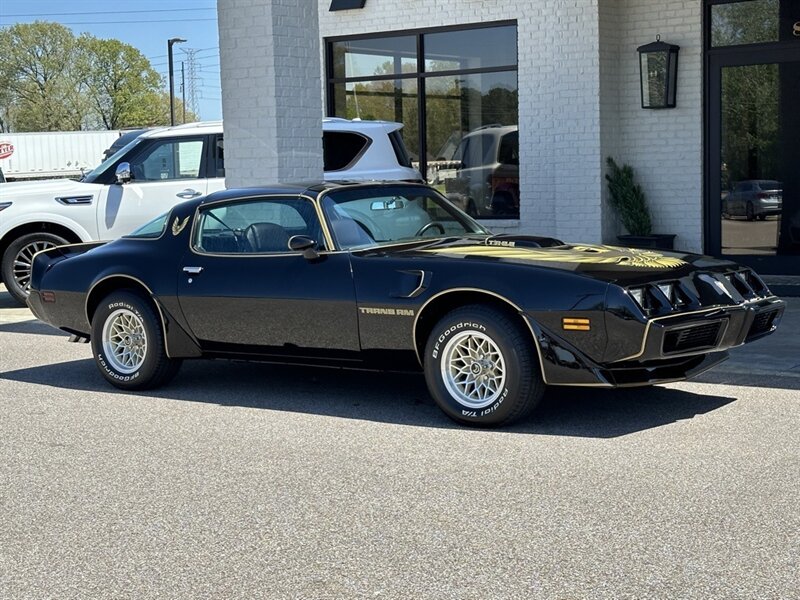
(715, 59)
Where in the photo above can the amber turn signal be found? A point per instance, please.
(576, 324)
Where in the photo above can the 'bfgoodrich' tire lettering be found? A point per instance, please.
(522, 386)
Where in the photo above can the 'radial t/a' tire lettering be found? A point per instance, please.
(480, 367)
(128, 343)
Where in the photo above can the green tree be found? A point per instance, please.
(42, 90)
(52, 81)
(120, 83)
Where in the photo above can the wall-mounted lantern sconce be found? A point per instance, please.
(658, 68)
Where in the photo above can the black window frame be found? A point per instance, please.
(420, 75)
(201, 210)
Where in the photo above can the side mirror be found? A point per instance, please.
(123, 173)
(304, 244)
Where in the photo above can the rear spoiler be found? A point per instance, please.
(43, 261)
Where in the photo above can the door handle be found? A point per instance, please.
(188, 193)
(193, 270)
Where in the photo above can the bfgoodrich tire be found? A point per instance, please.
(18, 261)
(480, 368)
(128, 343)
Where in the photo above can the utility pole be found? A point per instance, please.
(183, 91)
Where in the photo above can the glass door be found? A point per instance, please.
(753, 143)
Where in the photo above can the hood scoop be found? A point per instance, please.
(509, 240)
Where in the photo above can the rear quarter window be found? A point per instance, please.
(341, 149)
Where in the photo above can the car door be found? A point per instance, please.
(164, 172)
(242, 290)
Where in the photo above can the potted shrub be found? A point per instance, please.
(628, 200)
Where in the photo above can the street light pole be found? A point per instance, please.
(170, 43)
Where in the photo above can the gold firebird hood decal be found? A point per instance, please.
(595, 255)
(178, 225)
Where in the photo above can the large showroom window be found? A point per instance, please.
(455, 91)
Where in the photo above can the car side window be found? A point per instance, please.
(340, 149)
(169, 160)
(509, 149)
(256, 226)
(219, 156)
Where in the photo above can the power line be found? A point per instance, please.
(111, 12)
(127, 21)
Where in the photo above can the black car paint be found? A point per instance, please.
(373, 307)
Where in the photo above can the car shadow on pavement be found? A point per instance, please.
(32, 326)
(395, 398)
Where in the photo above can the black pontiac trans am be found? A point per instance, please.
(392, 276)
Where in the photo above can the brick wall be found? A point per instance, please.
(578, 99)
(269, 61)
(665, 147)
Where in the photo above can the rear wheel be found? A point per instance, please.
(480, 368)
(128, 343)
(18, 261)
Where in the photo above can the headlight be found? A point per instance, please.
(5, 205)
(667, 289)
(638, 295)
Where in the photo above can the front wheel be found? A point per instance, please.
(480, 368)
(128, 343)
(18, 261)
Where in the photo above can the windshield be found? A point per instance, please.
(95, 173)
(151, 230)
(361, 218)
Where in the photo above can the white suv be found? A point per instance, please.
(155, 171)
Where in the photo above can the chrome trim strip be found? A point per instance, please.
(149, 291)
(76, 200)
(323, 225)
(686, 314)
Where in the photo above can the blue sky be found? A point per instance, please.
(145, 24)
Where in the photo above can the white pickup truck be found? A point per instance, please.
(157, 170)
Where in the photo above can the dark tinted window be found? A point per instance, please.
(509, 149)
(400, 151)
(770, 185)
(341, 149)
(219, 156)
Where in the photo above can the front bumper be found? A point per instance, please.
(673, 348)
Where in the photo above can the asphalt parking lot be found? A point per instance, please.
(254, 481)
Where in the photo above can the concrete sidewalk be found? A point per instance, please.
(776, 355)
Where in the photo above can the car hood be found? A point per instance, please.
(49, 188)
(607, 263)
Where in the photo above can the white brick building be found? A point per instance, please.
(286, 63)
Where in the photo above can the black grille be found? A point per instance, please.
(692, 338)
(762, 323)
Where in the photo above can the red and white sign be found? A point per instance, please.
(6, 149)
